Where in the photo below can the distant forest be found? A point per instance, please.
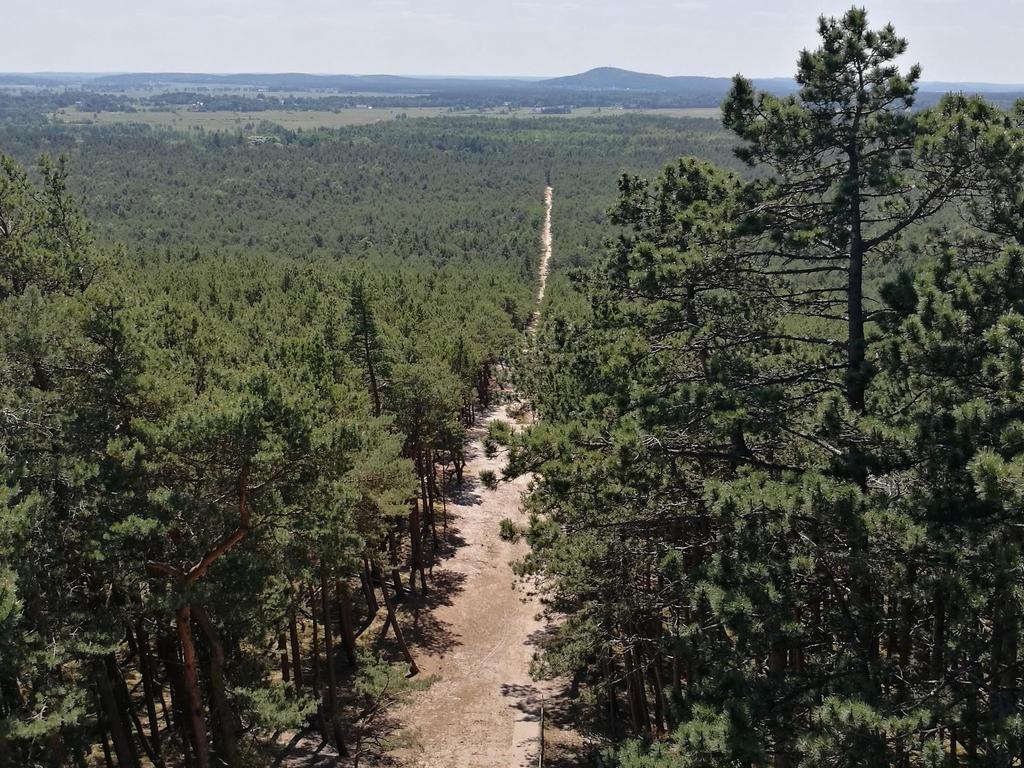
(602, 87)
(772, 427)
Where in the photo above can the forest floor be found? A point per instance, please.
(475, 633)
(480, 638)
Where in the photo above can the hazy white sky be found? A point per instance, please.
(953, 39)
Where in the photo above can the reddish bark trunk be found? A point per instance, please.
(193, 702)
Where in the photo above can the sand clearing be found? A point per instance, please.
(483, 712)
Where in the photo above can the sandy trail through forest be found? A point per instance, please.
(480, 637)
(545, 254)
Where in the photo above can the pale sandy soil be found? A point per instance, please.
(483, 711)
(545, 253)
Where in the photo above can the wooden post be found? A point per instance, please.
(540, 758)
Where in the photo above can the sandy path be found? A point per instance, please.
(480, 710)
(545, 254)
(479, 640)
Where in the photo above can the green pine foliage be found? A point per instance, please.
(778, 445)
(778, 475)
(205, 460)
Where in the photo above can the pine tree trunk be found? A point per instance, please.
(431, 494)
(226, 733)
(314, 650)
(101, 728)
(345, 621)
(399, 636)
(293, 636)
(610, 692)
(1003, 673)
(193, 701)
(416, 542)
(906, 641)
(150, 687)
(660, 710)
(855, 344)
(124, 702)
(332, 679)
(444, 501)
(637, 694)
(113, 717)
(677, 676)
(396, 574)
(368, 356)
(426, 520)
(168, 649)
(282, 652)
(779, 727)
(367, 584)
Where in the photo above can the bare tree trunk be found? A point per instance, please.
(332, 681)
(293, 634)
(431, 478)
(114, 719)
(855, 343)
(124, 701)
(660, 710)
(444, 501)
(366, 579)
(416, 541)
(610, 693)
(282, 652)
(190, 678)
(393, 620)
(227, 741)
(396, 575)
(150, 686)
(168, 649)
(778, 726)
(345, 622)
(637, 695)
(314, 650)
(101, 728)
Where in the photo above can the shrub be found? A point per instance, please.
(489, 480)
(509, 530)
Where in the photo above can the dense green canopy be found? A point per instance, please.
(777, 495)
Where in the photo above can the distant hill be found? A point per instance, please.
(614, 79)
(715, 88)
(600, 87)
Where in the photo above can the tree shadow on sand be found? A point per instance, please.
(450, 541)
(422, 627)
(466, 494)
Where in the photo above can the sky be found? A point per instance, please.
(962, 40)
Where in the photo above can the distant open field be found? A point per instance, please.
(231, 121)
(186, 120)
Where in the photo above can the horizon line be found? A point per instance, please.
(482, 77)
